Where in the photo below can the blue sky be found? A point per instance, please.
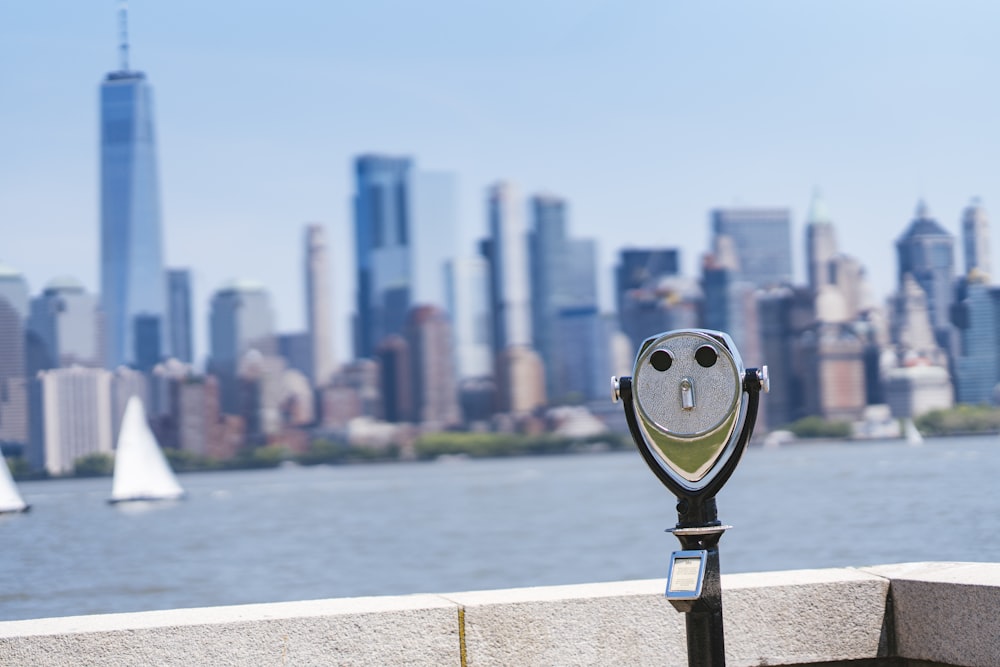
(644, 115)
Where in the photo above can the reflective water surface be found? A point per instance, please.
(302, 533)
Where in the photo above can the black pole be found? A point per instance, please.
(698, 529)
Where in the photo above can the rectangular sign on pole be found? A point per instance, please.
(687, 575)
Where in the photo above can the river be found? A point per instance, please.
(303, 533)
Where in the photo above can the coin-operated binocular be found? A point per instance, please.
(691, 408)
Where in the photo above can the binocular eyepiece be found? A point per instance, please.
(691, 407)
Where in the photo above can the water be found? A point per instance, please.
(304, 533)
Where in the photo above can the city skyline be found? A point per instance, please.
(637, 119)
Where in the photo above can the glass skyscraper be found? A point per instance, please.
(382, 217)
(241, 319)
(179, 314)
(13, 388)
(508, 256)
(132, 276)
(762, 238)
(563, 284)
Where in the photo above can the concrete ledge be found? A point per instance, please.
(941, 612)
(777, 618)
(406, 630)
(946, 612)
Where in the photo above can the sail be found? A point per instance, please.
(913, 436)
(10, 499)
(141, 469)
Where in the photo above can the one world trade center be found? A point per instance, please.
(133, 289)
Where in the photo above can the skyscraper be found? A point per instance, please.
(510, 300)
(976, 239)
(13, 387)
(977, 316)
(639, 276)
(730, 300)
(64, 327)
(318, 320)
(73, 417)
(837, 281)
(467, 287)
(821, 244)
(132, 277)
(179, 314)
(762, 240)
(563, 283)
(639, 266)
(241, 320)
(435, 392)
(395, 378)
(382, 211)
(434, 233)
(926, 252)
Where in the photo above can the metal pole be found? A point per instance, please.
(697, 528)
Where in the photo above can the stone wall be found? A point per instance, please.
(900, 615)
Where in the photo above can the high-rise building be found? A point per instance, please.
(976, 239)
(148, 344)
(318, 321)
(435, 390)
(353, 393)
(837, 281)
(926, 252)
(467, 281)
(762, 242)
(395, 378)
(240, 320)
(784, 313)
(520, 380)
(64, 327)
(730, 302)
(296, 350)
(977, 316)
(641, 266)
(382, 212)
(198, 417)
(563, 280)
(640, 278)
(73, 417)
(834, 371)
(179, 315)
(821, 244)
(578, 368)
(13, 387)
(262, 394)
(672, 302)
(132, 275)
(434, 233)
(191, 418)
(508, 259)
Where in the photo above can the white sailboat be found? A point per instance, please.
(911, 433)
(10, 500)
(141, 469)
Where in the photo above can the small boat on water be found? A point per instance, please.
(10, 499)
(912, 435)
(141, 469)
